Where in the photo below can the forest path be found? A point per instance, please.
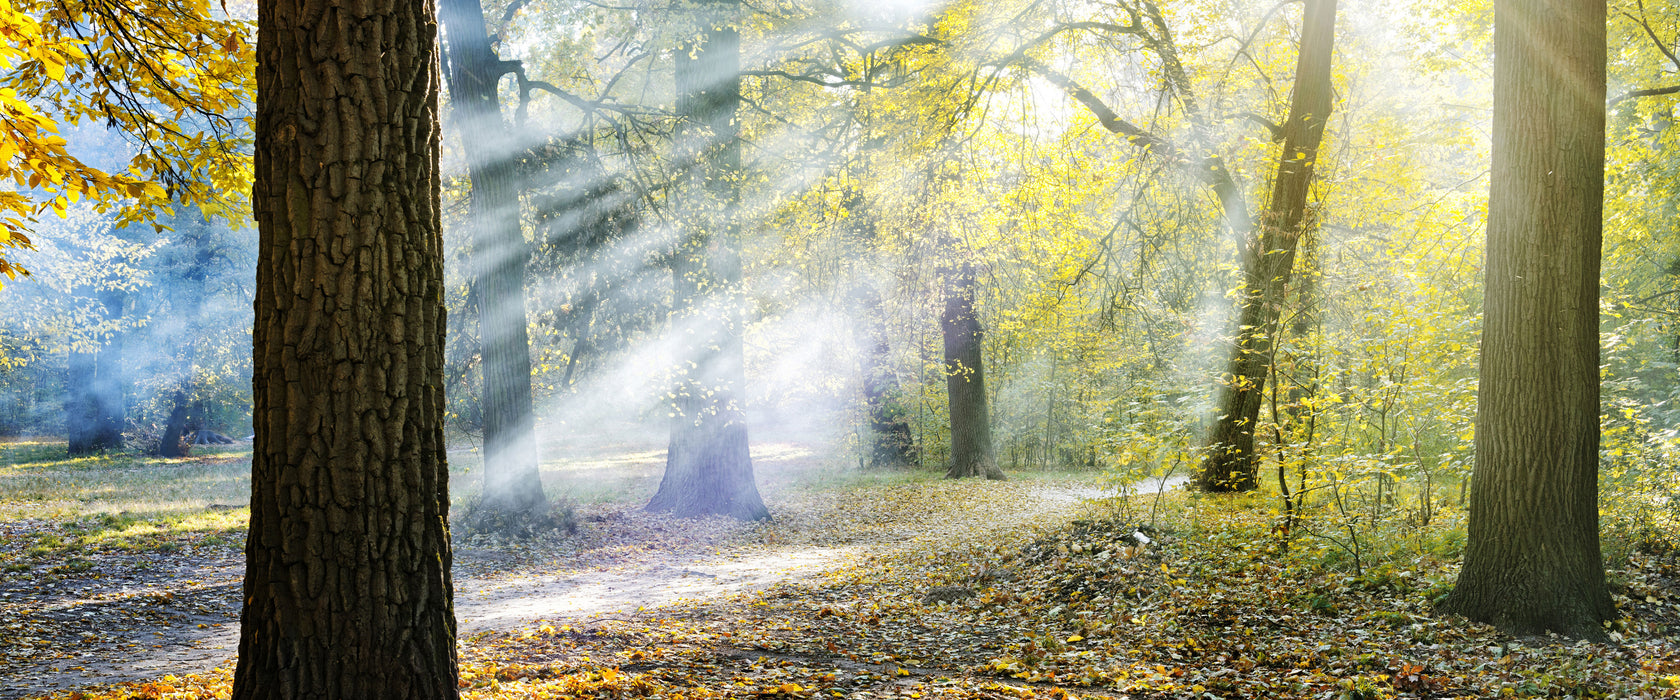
(649, 561)
(182, 616)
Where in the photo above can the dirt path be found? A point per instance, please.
(182, 615)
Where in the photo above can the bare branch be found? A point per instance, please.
(815, 79)
(1271, 126)
(1648, 92)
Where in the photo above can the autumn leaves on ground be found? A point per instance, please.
(865, 585)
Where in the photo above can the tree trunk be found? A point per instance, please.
(512, 484)
(81, 414)
(347, 581)
(1267, 260)
(1532, 562)
(95, 412)
(108, 388)
(891, 445)
(708, 469)
(171, 444)
(965, 379)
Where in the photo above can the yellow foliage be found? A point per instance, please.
(162, 82)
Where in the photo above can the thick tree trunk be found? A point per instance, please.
(890, 443)
(1267, 261)
(1532, 562)
(347, 581)
(972, 453)
(708, 469)
(512, 485)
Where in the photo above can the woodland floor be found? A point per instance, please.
(863, 587)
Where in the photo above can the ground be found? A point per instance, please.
(864, 586)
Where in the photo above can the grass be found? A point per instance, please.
(126, 501)
(38, 481)
(123, 502)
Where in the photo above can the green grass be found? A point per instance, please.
(38, 481)
(119, 502)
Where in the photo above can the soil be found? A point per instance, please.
(140, 615)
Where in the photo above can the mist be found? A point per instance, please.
(881, 146)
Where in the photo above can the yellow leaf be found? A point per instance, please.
(1075, 638)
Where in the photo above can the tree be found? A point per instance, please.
(186, 302)
(1269, 248)
(708, 468)
(347, 583)
(891, 444)
(95, 413)
(168, 75)
(512, 482)
(1532, 562)
(972, 453)
(1268, 258)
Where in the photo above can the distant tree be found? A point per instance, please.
(192, 265)
(708, 468)
(513, 489)
(1532, 562)
(96, 410)
(972, 453)
(891, 445)
(173, 443)
(1269, 248)
(98, 270)
(347, 583)
(1268, 260)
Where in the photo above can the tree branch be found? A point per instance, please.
(1648, 92)
(815, 79)
(1106, 116)
(1277, 131)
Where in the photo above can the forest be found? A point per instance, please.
(851, 349)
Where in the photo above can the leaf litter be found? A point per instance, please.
(1015, 590)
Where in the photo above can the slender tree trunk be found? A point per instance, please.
(891, 445)
(347, 580)
(1267, 261)
(512, 485)
(1532, 562)
(708, 469)
(584, 315)
(972, 453)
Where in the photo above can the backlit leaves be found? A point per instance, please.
(172, 77)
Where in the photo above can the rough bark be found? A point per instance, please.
(1268, 258)
(708, 469)
(347, 586)
(512, 484)
(890, 442)
(972, 453)
(1532, 562)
